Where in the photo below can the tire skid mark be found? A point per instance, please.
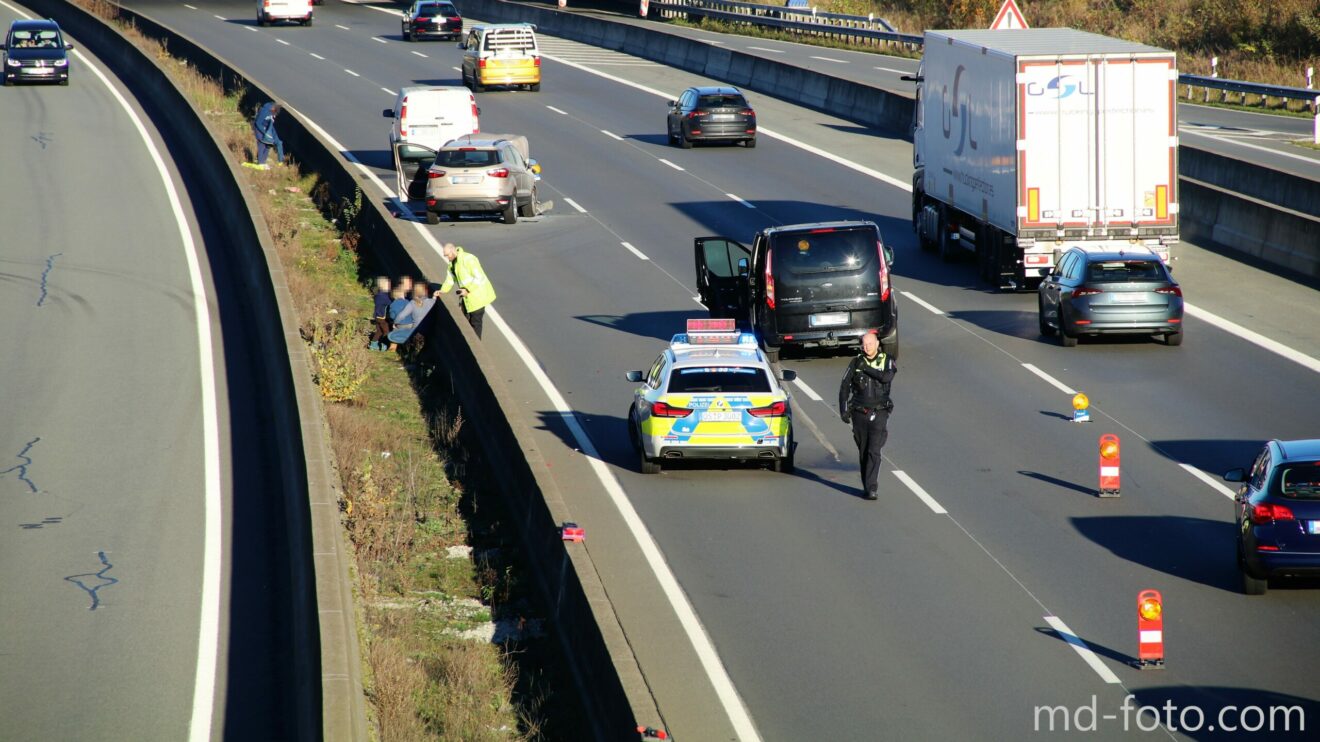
(100, 575)
(23, 467)
(45, 275)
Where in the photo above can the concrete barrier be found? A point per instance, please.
(249, 259)
(608, 678)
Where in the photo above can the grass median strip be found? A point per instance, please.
(452, 647)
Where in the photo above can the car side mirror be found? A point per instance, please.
(2, 45)
(672, 104)
(889, 255)
(744, 269)
(634, 376)
(68, 46)
(1235, 475)
(388, 113)
(787, 375)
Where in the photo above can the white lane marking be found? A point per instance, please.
(351, 72)
(611, 134)
(635, 251)
(1083, 650)
(346, 28)
(670, 164)
(766, 49)
(190, 7)
(282, 41)
(1250, 336)
(891, 69)
(1215, 484)
(830, 59)
(687, 615)
(457, 69)
(249, 28)
(420, 54)
(391, 92)
(575, 205)
(698, 300)
(556, 110)
(314, 54)
(208, 624)
(1240, 143)
(1053, 381)
(740, 200)
(836, 159)
(929, 307)
(379, 39)
(808, 390)
(920, 492)
(220, 17)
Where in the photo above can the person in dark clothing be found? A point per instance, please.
(380, 316)
(864, 402)
(263, 126)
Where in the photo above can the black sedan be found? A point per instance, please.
(1278, 514)
(429, 18)
(1109, 291)
(711, 114)
(35, 51)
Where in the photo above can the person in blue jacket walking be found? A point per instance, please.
(264, 128)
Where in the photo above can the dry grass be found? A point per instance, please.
(400, 507)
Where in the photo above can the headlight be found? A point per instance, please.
(61, 63)
(13, 62)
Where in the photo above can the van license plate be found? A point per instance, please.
(829, 319)
(465, 179)
(1313, 527)
(721, 417)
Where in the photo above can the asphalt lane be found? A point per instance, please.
(837, 617)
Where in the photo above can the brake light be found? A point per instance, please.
(501, 172)
(660, 409)
(826, 230)
(481, 63)
(1172, 290)
(769, 280)
(884, 272)
(403, 119)
(1084, 291)
(778, 409)
(435, 173)
(1265, 513)
(536, 61)
(696, 114)
(475, 127)
(747, 112)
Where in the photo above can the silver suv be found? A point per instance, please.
(482, 173)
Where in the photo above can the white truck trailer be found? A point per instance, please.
(1028, 142)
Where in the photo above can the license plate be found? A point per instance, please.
(828, 319)
(721, 117)
(1313, 527)
(721, 417)
(465, 179)
(41, 71)
(1129, 298)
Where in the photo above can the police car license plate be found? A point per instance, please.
(828, 319)
(465, 179)
(1313, 527)
(720, 417)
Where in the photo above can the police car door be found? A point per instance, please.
(411, 162)
(723, 270)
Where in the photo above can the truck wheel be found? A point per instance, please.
(918, 215)
(946, 243)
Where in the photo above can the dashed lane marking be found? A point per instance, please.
(922, 302)
(920, 492)
(1053, 381)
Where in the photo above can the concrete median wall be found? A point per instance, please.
(1230, 203)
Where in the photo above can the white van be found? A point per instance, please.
(273, 11)
(425, 118)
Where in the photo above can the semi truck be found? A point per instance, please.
(1028, 142)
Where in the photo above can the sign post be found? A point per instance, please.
(1009, 17)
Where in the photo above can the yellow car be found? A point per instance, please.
(501, 54)
(712, 395)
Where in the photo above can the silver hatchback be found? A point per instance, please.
(1104, 291)
(482, 173)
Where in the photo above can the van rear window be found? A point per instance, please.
(510, 41)
(467, 157)
(805, 253)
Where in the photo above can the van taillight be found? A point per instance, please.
(475, 127)
(769, 280)
(536, 61)
(884, 272)
(481, 63)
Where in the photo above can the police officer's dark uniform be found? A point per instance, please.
(864, 402)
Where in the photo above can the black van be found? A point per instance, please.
(806, 285)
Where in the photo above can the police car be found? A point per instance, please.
(711, 395)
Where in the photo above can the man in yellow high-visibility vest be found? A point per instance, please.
(473, 286)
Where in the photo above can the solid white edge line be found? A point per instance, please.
(740, 200)
(635, 251)
(1052, 381)
(1215, 484)
(351, 72)
(808, 390)
(611, 134)
(1251, 336)
(929, 307)
(208, 630)
(1082, 650)
(575, 205)
(190, 7)
(556, 110)
(891, 69)
(1240, 143)
(318, 56)
(921, 493)
(670, 164)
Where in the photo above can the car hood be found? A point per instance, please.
(28, 55)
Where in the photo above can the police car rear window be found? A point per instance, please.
(832, 251)
(728, 380)
(1300, 481)
(1114, 271)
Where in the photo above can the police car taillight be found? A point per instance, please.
(778, 409)
(660, 409)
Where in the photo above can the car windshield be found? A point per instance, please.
(824, 251)
(35, 40)
(722, 100)
(1299, 481)
(467, 157)
(726, 380)
(1117, 271)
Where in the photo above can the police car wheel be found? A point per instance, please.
(787, 464)
(646, 464)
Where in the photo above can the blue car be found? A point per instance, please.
(1278, 514)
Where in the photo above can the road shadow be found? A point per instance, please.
(731, 219)
(1059, 415)
(1065, 484)
(656, 139)
(1237, 706)
(1195, 549)
(1010, 322)
(452, 82)
(382, 159)
(1100, 649)
(864, 130)
(658, 325)
(1212, 456)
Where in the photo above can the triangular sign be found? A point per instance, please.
(1009, 16)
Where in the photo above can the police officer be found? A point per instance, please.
(864, 402)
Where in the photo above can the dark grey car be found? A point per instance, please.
(35, 51)
(1110, 292)
(714, 113)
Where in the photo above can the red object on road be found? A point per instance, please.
(1150, 630)
(1109, 461)
(572, 532)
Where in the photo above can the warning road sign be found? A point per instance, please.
(1009, 16)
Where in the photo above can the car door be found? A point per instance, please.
(411, 162)
(471, 48)
(723, 270)
(518, 170)
(1049, 289)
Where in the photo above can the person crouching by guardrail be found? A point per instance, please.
(405, 323)
(263, 126)
(473, 286)
(380, 315)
